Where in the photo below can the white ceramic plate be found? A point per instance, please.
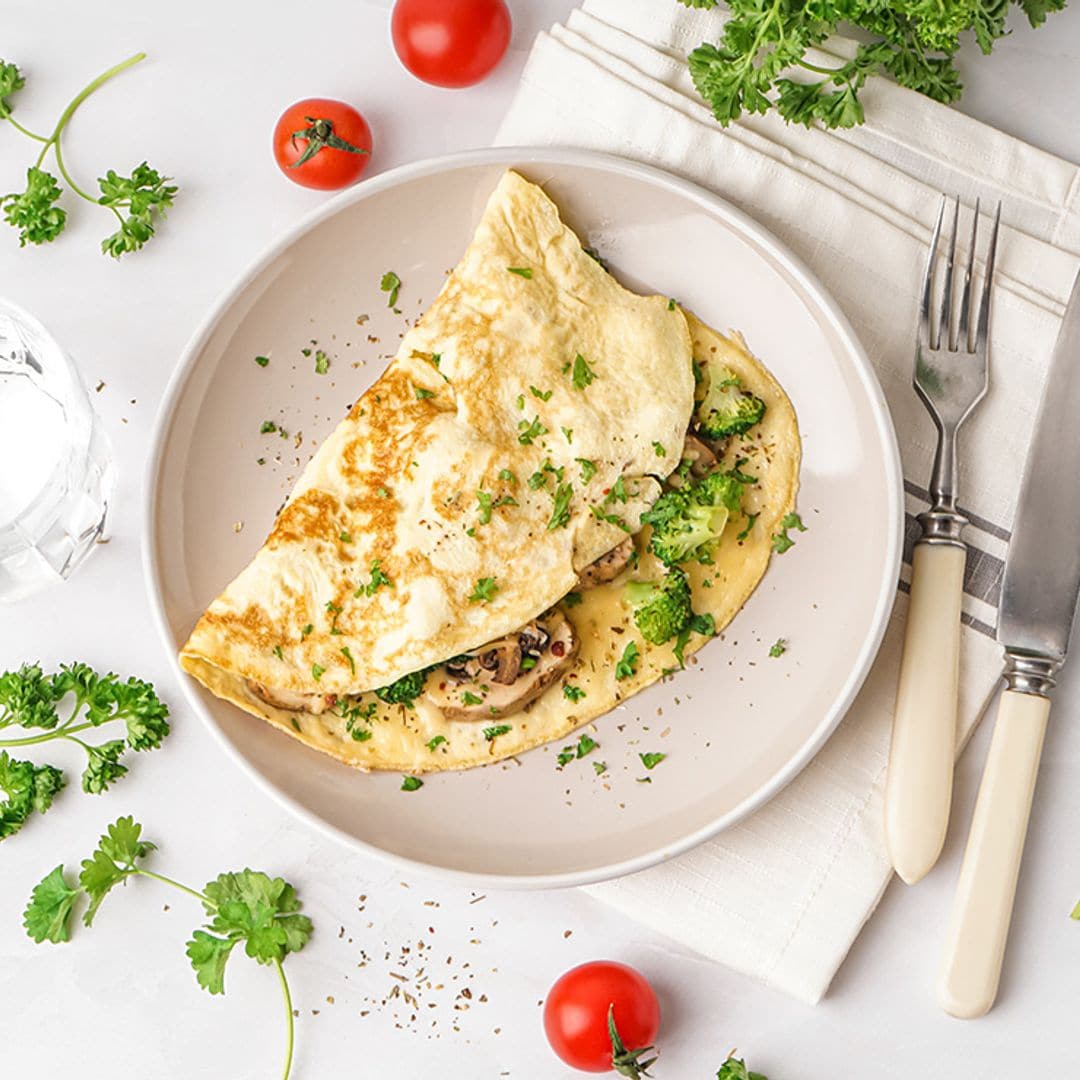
(736, 726)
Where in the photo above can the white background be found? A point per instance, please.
(120, 1000)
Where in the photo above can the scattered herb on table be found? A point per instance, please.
(765, 42)
(262, 361)
(138, 201)
(411, 783)
(30, 700)
(245, 906)
(322, 362)
(599, 767)
(650, 761)
(735, 1069)
(391, 284)
(778, 648)
(781, 542)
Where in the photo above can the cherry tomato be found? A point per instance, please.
(450, 42)
(321, 143)
(576, 1016)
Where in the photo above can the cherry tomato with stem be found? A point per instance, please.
(322, 143)
(603, 1016)
(451, 43)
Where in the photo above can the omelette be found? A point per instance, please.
(555, 493)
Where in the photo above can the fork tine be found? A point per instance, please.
(928, 277)
(944, 329)
(963, 335)
(982, 328)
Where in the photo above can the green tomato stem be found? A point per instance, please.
(175, 884)
(288, 1019)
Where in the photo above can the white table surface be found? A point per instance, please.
(120, 1000)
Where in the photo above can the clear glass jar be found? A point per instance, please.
(56, 471)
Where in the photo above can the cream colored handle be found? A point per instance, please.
(918, 792)
(984, 894)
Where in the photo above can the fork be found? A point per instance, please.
(951, 375)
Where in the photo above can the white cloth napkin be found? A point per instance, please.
(782, 896)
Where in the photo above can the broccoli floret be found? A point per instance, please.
(661, 608)
(405, 690)
(727, 409)
(687, 523)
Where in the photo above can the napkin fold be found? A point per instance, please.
(783, 895)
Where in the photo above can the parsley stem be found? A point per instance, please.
(67, 176)
(175, 884)
(288, 1018)
(26, 131)
(87, 90)
(57, 733)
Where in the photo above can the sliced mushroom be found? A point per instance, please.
(700, 454)
(494, 699)
(607, 567)
(292, 699)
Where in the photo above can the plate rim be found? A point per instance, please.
(509, 156)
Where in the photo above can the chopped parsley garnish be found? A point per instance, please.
(322, 362)
(599, 767)
(586, 744)
(268, 427)
(779, 648)
(411, 783)
(617, 492)
(560, 513)
(530, 431)
(671, 304)
(650, 761)
(521, 401)
(627, 665)
(483, 500)
(278, 653)
(521, 271)
(382, 492)
(349, 656)
(543, 395)
(508, 476)
(569, 433)
(595, 256)
(566, 755)
(572, 693)
(537, 480)
(422, 394)
(572, 599)
(469, 698)
(504, 500)
(485, 590)
(306, 630)
(378, 580)
(334, 610)
(750, 519)
(262, 361)
(492, 733)
(345, 537)
(391, 284)
(781, 542)
(698, 624)
(699, 373)
(588, 469)
(659, 448)
(317, 671)
(601, 514)
(528, 663)
(583, 375)
(359, 734)
(432, 743)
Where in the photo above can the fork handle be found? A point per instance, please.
(985, 892)
(918, 792)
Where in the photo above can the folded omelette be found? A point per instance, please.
(463, 572)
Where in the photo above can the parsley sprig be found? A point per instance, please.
(30, 700)
(137, 201)
(764, 46)
(245, 906)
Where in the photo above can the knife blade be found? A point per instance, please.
(1042, 571)
(1035, 616)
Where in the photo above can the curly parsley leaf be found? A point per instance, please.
(391, 284)
(11, 81)
(735, 1069)
(113, 860)
(484, 591)
(34, 211)
(138, 200)
(28, 788)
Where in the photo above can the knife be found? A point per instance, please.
(1035, 616)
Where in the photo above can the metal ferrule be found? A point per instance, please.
(941, 526)
(1027, 673)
